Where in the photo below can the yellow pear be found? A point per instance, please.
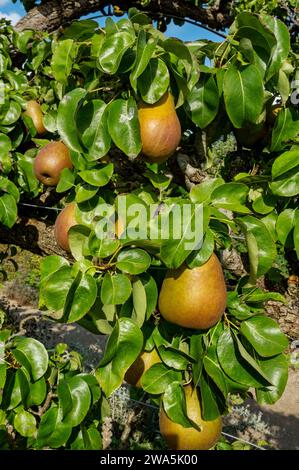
(140, 366)
(50, 161)
(179, 438)
(63, 224)
(194, 298)
(34, 111)
(160, 129)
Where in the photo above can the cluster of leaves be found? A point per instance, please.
(46, 400)
(90, 80)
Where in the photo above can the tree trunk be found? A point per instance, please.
(51, 15)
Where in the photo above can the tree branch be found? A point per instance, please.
(49, 16)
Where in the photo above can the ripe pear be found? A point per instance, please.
(140, 366)
(179, 438)
(64, 222)
(194, 298)
(160, 129)
(50, 161)
(34, 111)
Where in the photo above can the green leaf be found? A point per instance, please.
(81, 401)
(175, 250)
(212, 403)
(281, 50)
(122, 349)
(116, 289)
(250, 358)
(231, 196)
(12, 114)
(157, 378)
(78, 236)
(284, 224)
(285, 163)
(202, 192)
(98, 176)
(144, 52)
(56, 288)
(154, 81)
(285, 174)
(286, 129)
(203, 101)
(276, 368)
(66, 181)
(264, 335)
(80, 298)
(261, 249)
(35, 354)
(64, 54)
(113, 49)
(124, 127)
(94, 126)
(102, 247)
(174, 358)
(243, 94)
(200, 257)
(174, 404)
(234, 364)
(296, 236)
(133, 261)
(85, 192)
(139, 302)
(52, 432)
(151, 292)
(66, 118)
(214, 370)
(37, 392)
(25, 423)
(8, 210)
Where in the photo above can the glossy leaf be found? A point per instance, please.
(276, 368)
(264, 335)
(156, 379)
(231, 196)
(133, 261)
(94, 127)
(285, 223)
(98, 176)
(63, 58)
(35, 354)
(123, 126)
(116, 289)
(203, 101)
(123, 347)
(112, 51)
(233, 364)
(261, 249)
(243, 94)
(154, 81)
(66, 118)
(174, 404)
(25, 423)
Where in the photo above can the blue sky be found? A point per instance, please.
(188, 32)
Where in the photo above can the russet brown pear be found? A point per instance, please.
(179, 438)
(64, 222)
(50, 161)
(194, 298)
(140, 366)
(160, 129)
(34, 111)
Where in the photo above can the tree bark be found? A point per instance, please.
(51, 15)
